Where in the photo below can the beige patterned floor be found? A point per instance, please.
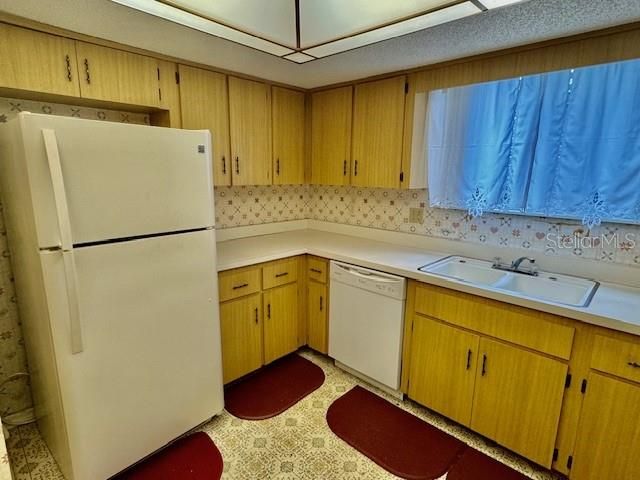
(297, 444)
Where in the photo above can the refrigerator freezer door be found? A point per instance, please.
(120, 180)
(151, 365)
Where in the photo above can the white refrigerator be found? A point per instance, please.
(111, 230)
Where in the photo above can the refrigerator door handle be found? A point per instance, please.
(64, 225)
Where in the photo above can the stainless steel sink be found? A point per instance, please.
(550, 287)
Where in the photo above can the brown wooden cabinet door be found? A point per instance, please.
(331, 113)
(517, 400)
(117, 76)
(317, 316)
(288, 136)
(443, 367)
(205, 105)
(250, 128)
(609, 431)
(378, 119)
(280, 321)
(241, 332)
(37, 62)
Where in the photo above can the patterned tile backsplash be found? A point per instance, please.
(386, 209)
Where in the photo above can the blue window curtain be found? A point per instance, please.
(587, 158)
(481, 141)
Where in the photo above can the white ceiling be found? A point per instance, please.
(517, 24)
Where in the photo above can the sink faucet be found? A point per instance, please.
(515, 266)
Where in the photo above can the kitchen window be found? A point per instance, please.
(563, 144)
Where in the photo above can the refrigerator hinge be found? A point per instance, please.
(583, 388)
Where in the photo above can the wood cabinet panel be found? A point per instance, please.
(317, 269)
(331, 113)
(443, 368)
(517, 400)
(279, 272)
(239, 282)
(609, 431)
(38, 62)
(117, 76)
(205, 105)
(288, 136)
(281, 321)
(241, 333)
(617, 357)
(317, 316)
(378, 119)
(250, 131)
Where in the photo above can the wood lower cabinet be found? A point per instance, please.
(241, 332)
(317, 316)
(281, 321)
(205, 105)
(443, 368)
(117, 76)
(288, 136)
(517, 400)
(609, 431)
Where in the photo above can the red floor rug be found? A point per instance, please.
(393, 438)
(473, 465)
(273, 389)
(191, 458)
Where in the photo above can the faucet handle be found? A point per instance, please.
(497, 261)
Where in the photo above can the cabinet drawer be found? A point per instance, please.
(280, 273)
(521, 326)
(616, 357)
(238, 282)
(317, 269)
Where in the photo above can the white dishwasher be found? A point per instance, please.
(366, 317)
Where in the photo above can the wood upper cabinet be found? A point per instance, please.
(378, 118)
(250, 127)
(317, 316)
(37, 61)
(117, 76)
(517, 400)
(288, 136)
(609, 431)
(280, 321)
(443, 368)
(331, 113)
(205, 105)
(241, 333)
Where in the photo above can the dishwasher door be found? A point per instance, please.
(366, 317)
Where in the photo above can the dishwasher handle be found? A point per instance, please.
(368, 274)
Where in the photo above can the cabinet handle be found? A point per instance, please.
(278, 275)
(86, 70)
(469, 353)
(268, 310)
(315, 270)
(256, 315)
(68, 61)
(484, 365)
(344, 169)
(634, 364)
(236, 287)
(278, 166)
(355, 169)
(237, 166)
(321, 301)
(224, 165)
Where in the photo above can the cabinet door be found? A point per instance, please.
(250, 126)
(609, 432)
(331, 112)
(281, 321)
(205, 105)
(38, 62)
(241, 331)
(378, 119)
(117, 76)
(317, 316)
(443, 368)
(517, 401)
(288, 136)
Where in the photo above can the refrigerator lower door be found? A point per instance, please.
(150, 368)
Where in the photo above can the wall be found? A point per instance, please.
(15, 396)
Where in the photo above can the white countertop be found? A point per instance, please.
(613, 306)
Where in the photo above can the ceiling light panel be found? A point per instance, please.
(498, 3)
(322, 21)
(196, 22)
(438, 17)
(274, 21)
(299, 57)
